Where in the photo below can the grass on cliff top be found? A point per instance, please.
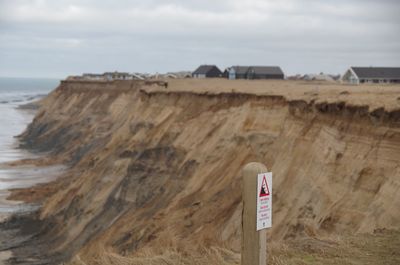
(382, 247)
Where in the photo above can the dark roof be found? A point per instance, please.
(377, 72)
(241, 70)
(267, 70)
(204, 69)
(258, 70)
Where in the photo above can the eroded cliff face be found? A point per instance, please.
(155, 174)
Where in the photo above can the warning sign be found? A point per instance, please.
(264, 187)
(264, 201)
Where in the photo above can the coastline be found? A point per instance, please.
(18, 220)
(18, 171)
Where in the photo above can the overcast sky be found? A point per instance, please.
(55, 38)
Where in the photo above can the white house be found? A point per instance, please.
(357, 75)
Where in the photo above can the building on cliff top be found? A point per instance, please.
(207, 71)
(108, 76)
(89, 76)
(118, 76)
(254, 72)
(319, 77)
(359, 75)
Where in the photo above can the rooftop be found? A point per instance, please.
(377, 72)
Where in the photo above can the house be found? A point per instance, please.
(89, 76)
(207, 71)
(318, 77)
(137, 76)
(179, 74)
(170, 75)
(238, 72)
(117, 76)
(295, 77)
(74, 78)
(183, 74)
(357, 75)
(255, 72)
(265, 72)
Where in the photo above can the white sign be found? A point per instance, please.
(264, 201)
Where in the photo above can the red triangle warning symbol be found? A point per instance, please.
(264, 188)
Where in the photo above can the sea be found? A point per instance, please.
(13, 121)
(15, 92)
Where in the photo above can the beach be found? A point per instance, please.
(13, 121)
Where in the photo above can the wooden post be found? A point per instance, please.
(254, 243)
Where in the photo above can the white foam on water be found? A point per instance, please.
(13, 121)
(4, 255)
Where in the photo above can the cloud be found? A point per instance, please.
(39, 11)
(223, 32)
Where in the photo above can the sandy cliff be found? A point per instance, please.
(155, 172)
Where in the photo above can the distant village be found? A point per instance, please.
(354, 75)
